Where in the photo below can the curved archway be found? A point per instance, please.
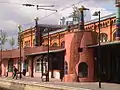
(55, 44)
(83, 70)
(38, 66)
(103, 37)
(38, 63)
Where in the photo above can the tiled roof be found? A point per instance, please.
(102, 18)
(89, 22)
(50, 26)
(56, 31)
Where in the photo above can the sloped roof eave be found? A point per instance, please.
(104, 44)
(50, 51)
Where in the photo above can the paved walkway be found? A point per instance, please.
(55, 82)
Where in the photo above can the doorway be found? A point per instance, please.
(109, 70)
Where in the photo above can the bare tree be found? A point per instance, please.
(12, 42)
(3, 38)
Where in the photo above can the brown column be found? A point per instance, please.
(110, 29)
(59, 38)
(32, 67)
(31, 38)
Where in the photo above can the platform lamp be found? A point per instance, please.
(20, 60)
(81, 23)
(1, 50)
(97, 13)
(47, 77)
(36, 32)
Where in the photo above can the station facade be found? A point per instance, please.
(68, 53)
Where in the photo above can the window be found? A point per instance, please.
(55, 44)
(83, 70)
(103, 37)
(114, 21)
(103, 24)
(38, 65)
(10, 65)
(95, 27)
(100, 25)
(114, 36)
(34, 42)
(27, 43)
(63, 44)
(80, 49)
(106, 24)
(65, 67)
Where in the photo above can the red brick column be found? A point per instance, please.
(77, 52)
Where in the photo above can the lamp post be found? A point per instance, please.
(36, 32)
(39, 39)
(1, 50)
(82, 9)
(19, 27)
(99, 48)
(47, 77)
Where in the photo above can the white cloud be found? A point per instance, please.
(13, 14)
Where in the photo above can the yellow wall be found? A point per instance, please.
(59, 37)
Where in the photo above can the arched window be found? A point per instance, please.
(95, 27)
(114, 36)
(103, 24)
(38, 65)
(106, 24)
(63, 44)
(114, 21)
(34, 42)
(55, 44)
(65, 67)
(103, 37)
(83, 70)
(10, 65)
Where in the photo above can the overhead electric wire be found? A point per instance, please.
(57, 11)
(24, 3)
(61, 9)
(10, 3)
(43, 6)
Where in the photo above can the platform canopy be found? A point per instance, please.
(104, 44)
(45, 52)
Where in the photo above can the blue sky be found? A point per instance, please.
(110, 6)
(13, 13)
